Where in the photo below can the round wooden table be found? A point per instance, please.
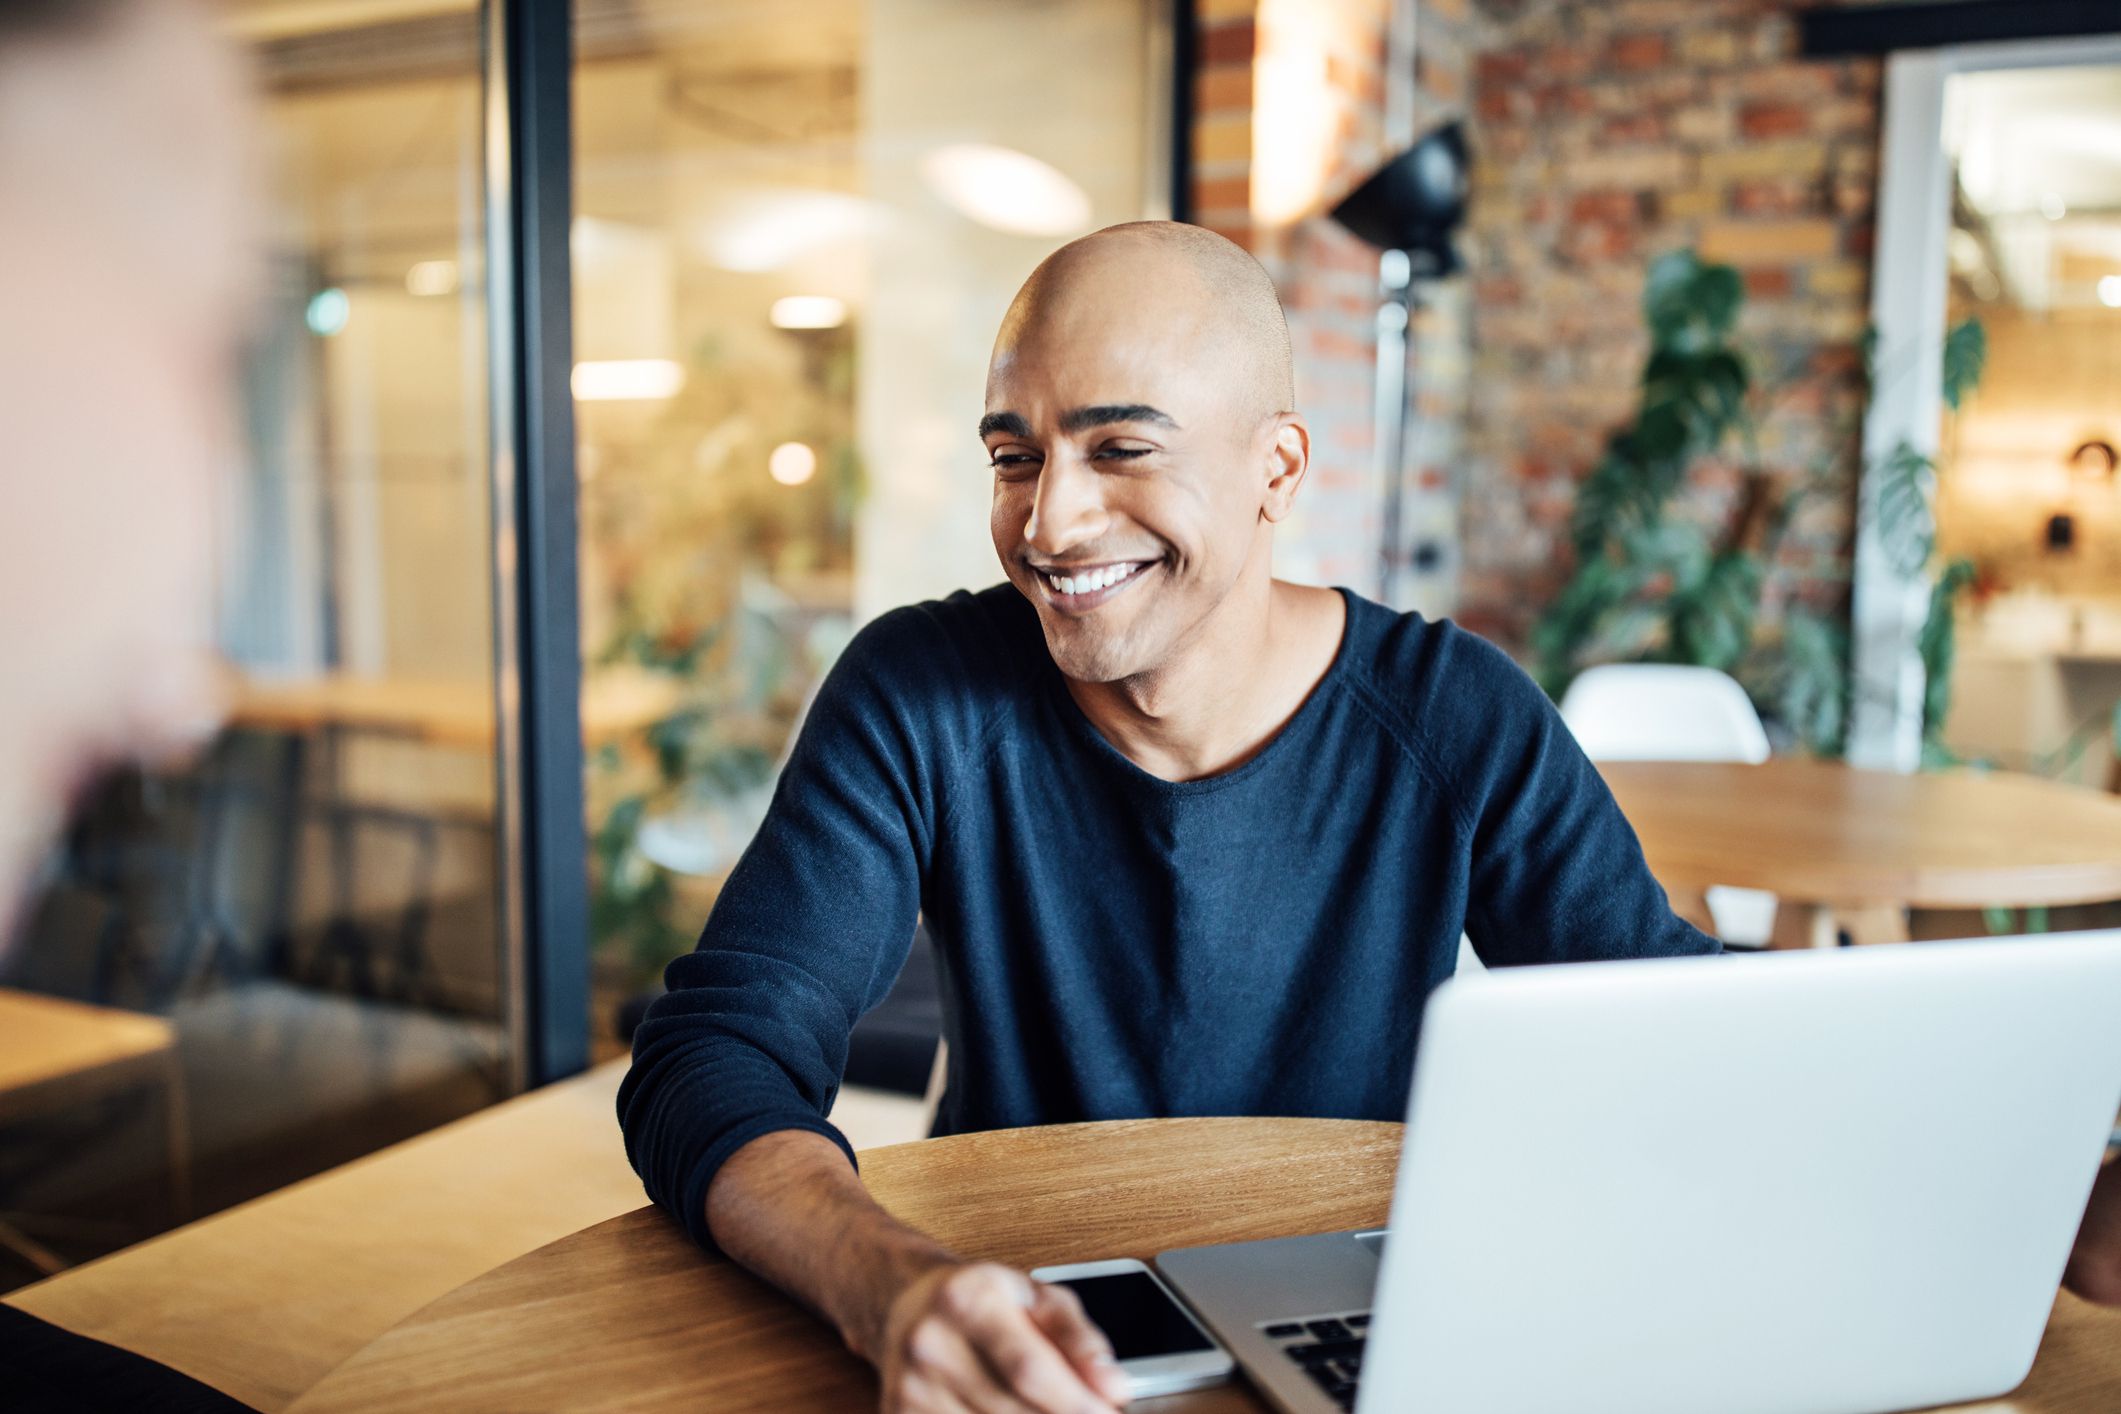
(629, 1315)
(1849, 848)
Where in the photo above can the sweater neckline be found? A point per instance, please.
(1306, 714)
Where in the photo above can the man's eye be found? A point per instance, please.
(1121, 453)
(1014, 464)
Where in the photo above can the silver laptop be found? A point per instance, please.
(1786, 1184)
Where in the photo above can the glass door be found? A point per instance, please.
(2029, 499)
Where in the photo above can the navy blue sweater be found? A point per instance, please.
(1114, 945)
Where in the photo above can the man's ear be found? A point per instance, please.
(1288, 458)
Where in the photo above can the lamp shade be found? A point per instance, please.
(1415, 201)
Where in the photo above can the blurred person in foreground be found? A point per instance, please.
(126, 273)
(1191, 840)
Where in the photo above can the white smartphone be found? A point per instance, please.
(1160, 1348)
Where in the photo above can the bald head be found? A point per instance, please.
(1152, 283)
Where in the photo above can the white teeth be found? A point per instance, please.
(1091, 581)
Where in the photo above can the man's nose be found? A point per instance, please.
(1068, 509)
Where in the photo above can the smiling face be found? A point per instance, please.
(1137, 422)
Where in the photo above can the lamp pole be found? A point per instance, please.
(1395, 307)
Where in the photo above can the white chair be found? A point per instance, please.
(1668, 712)
(938, 1079)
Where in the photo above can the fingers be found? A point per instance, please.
(916, 1393)
(945, 1374)
(1060, 1315)
(992, 1307)
(986, 1339)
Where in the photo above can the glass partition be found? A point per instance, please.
(290, 944)
(796, 232)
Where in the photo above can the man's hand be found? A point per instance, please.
(978, 1336)
(2094, 1270)
(945, 1334)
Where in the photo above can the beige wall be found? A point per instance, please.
(389, 413)
(946, 71)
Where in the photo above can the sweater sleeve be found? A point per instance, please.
(809, 932)
(1557, 874)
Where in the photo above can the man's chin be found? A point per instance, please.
(1089, 655)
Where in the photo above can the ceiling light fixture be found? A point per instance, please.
(1007, 190)
(432, 277)
(770, 228)
(791, 463)
(621, 380)
(808, 312)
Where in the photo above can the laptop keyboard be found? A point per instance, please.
(1329, 1348)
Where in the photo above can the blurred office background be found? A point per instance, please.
(790, 233)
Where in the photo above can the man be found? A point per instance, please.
(1190, 840)
(126, 267)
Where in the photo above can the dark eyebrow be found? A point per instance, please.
(1105, 414)
(1078, 419)
(1009, 422)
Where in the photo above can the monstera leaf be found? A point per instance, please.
(1965, 355)
(1811, 694)
(1712, 617)
(1907, 526)
(1690, 306)
(1936, 645)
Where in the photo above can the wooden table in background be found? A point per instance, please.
(56, 1055)
(1848, 848)
(442, 711)
(628, 1314)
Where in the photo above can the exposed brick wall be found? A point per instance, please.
(1222, 117)
(1328, 279)
(1608, 132)
(1605, 132)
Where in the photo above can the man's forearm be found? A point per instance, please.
(790, 1208)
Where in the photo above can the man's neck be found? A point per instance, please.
(1227, 692)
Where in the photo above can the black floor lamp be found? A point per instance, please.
(1408, 209)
